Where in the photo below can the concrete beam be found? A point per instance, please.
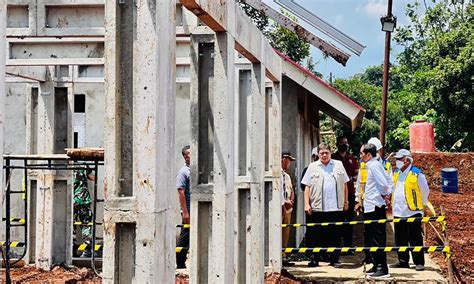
(250, 41)
(327, 48)
(55, 61)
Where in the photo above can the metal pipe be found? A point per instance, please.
(386, 67)
(25, 200)
(7, 225)
(94, 210)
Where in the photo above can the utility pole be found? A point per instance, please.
(388, 25)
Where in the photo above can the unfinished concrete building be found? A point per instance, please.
(91, 73)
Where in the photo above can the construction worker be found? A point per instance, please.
(325, 199)
(409, 198)
(82, 207)
(288, 199)
(183, 184)
(373, 190)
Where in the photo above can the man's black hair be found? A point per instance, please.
(339, 138)
(185, 148)
(369, 148)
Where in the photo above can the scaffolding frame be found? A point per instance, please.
(52, 162)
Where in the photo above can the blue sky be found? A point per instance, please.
(360, 19)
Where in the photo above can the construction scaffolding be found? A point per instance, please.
(27, 164)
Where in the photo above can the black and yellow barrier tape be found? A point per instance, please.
(445, 249)
(78, 223)
(83, 247)
(13, 244)
(185, 226)
(381, 221)
(16, 220)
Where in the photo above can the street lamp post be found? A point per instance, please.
(389, 23)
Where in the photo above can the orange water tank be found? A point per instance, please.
(422, 136)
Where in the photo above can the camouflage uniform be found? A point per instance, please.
(82, 203)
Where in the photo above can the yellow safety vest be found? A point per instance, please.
(388, 166)
(362, 181)
(412, 190)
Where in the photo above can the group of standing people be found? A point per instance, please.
(337, 185)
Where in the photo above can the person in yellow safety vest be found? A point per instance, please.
(409, 198)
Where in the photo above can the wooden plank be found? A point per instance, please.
(86, 153)
(250, 41)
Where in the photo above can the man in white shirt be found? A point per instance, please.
(372, 189)
(409, 198)
(325, 199)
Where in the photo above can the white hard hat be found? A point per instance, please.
(376, 142)
(314, 151)
(402, 153)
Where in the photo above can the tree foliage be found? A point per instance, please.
(432, 80)
(284, 40)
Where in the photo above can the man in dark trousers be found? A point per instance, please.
(409, 198)
(325, 199)
(352, 168)
(371, 200)
(183, 184)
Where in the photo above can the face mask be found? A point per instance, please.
(399, 164)
(343, 147)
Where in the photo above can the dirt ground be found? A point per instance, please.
(459, 208)
(459, 212)
(32, 275)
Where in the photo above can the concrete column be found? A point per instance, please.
(139, 228)
(222, 255)
(45, 190)
(202, 143)
(257, 162)
(274, 222)
(3, 15)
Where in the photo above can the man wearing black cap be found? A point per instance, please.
(287, 199)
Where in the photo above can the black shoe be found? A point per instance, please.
(288, 263)
(419, 267)
(380, 274)
(313, 263)
(371, 271)
(400, 265)
(336, 264)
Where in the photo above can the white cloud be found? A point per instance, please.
(375, 8)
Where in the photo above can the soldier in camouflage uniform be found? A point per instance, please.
(82, 205)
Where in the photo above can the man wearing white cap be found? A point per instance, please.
(385, 163)
(410, 195)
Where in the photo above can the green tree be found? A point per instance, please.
(437, 66)
(284, 40)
